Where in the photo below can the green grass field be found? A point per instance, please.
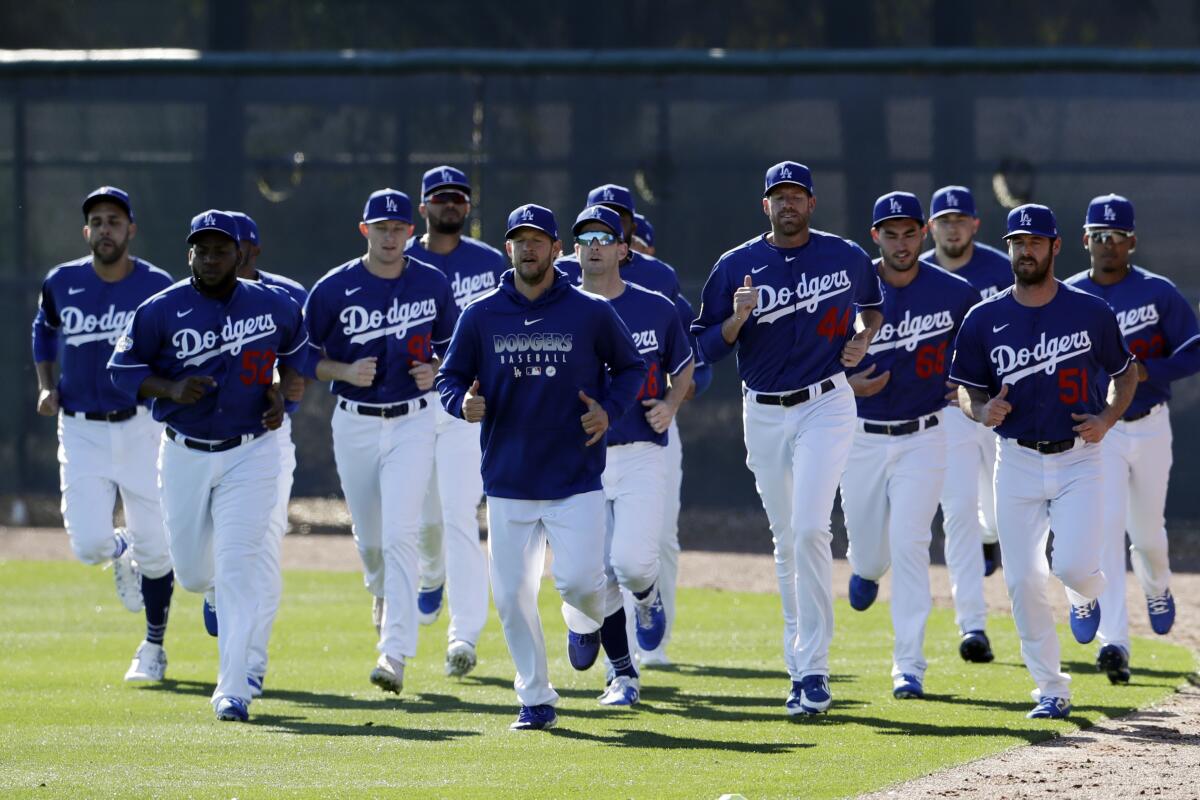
(69, 726)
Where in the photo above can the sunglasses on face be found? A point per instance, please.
(595, 238)
(1109, 237)
(446, 198)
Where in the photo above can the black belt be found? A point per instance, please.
(1048, 448)
(1140, 415)
(901, 428)
(795, 398)
(210, 447)
(387, 412)
(120, 415)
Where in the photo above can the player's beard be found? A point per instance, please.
(1030, 271)
(793, 225)
(534, 273)
(218, 290)
(900, 266)
(447, 227)
(113, 255)
(956, 250)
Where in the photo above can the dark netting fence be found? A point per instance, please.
(300, 143)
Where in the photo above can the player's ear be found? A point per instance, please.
(87, 233)
(508, 248)
(975, 226)
(767, 206)
(875, 235)
(1132, 243)
(362, 228)
(1054, 248)
(622, 251)
(424, 212)
(1086, 237)
(556, 250)
(132, 230)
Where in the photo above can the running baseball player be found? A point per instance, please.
(1161, 330)
(292, 385)
(545, 367)
(634, 477)
(449, 542)
(108, 441)
(894, 475)
(205, 350)
(968, 505)
(379, 321)
(786, 301)
(1031, 362)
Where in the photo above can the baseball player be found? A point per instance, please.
(449, 541)
(107, 441)
(1031, 362)
(634, 477)
(205, 350)
(1160, 328)
(968, 506)
(786, 301)
(643, 235)
(292, 385)
(544, 367)
(379, 320)
(893, 478)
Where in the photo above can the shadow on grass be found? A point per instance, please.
(892, 727)
(301, 726)
(1173, 677)
(653, 740)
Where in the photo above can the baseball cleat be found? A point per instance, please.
(809, 695)
(210, 615)
(583, 649)
(535, 718)
(907, 687)
(1085, 621)
(232, 709)
(429, 604)
(1051, 708)
(862, 592)
(149, 664)
(460, 658)
(1162, 612)
(991, 558)
(622, 691)
(256, 684)
(388, 674)
(377, 613)
(651, 621)
(128, 579)
(654, 658)
(975, 647)
(1114, 662)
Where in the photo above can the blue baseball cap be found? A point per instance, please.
(610, 194)
(214, 220)
(897, 205)
(789, 172)
(952, 200)
(532, 216)
(1110, 211)
(387, 204)
(247, 227)
(1032, 219)
(112, 194)
(444, 177)
(602, 214)
(643, 230)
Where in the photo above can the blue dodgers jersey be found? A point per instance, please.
(806, 306)
(916, 342)
(1158, 325)
(1055, 358)
(79, 318)
(353, 314)
(989, 270)
(180, 332)
(658, 335)
(473, 268)
(532, 359)
(298, 293)
(646, 271)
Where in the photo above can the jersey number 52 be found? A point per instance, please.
(258, 366)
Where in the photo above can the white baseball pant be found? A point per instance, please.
(384, 465)
(448, 544)
(968, 513)
(1137, 467)
(1034, 494)
(98, 459)
(217, 507)
(797, 456)
(517, 534)
(271, 579)
(890, 490)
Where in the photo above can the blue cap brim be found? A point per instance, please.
(917, 220)
(945, 211)
(1028, 232)
(508, 234)
(803, 186)
(221, 231)
(388, 218)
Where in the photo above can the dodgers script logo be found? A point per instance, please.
(533, 348)
(911, 331)
(776, 303)
(468, 287)
(362, 325)
(195, 347)
(1046, 355)
(1135, 319)
(81, 328)
(646, 341)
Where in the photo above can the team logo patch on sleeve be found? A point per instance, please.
(124, 344)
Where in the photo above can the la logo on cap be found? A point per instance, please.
(952, 199)
(391, 204)
(527, 214)
(608, 195)
(1109, 214)
(894, 204)
(445, 174)
(209, 219)
(1025, 218)
(785, 173)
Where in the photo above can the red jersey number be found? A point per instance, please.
(258, 366)
(652, 384)
(1148, 348)
(931, 360)
(1072, 385)
(831, 326)
(420, 348)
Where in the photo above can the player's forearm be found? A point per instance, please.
(330, 370)
(870, 319)
(731, 327)
(45, 375)
(1179, 365)
(972, 401)
(680, 384)
(154, 386)
(1124, 387)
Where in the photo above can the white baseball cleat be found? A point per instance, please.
(388, 674)
(622, 691)
(149, 663)
(129, 581)
(653, 658)
(460, 658)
